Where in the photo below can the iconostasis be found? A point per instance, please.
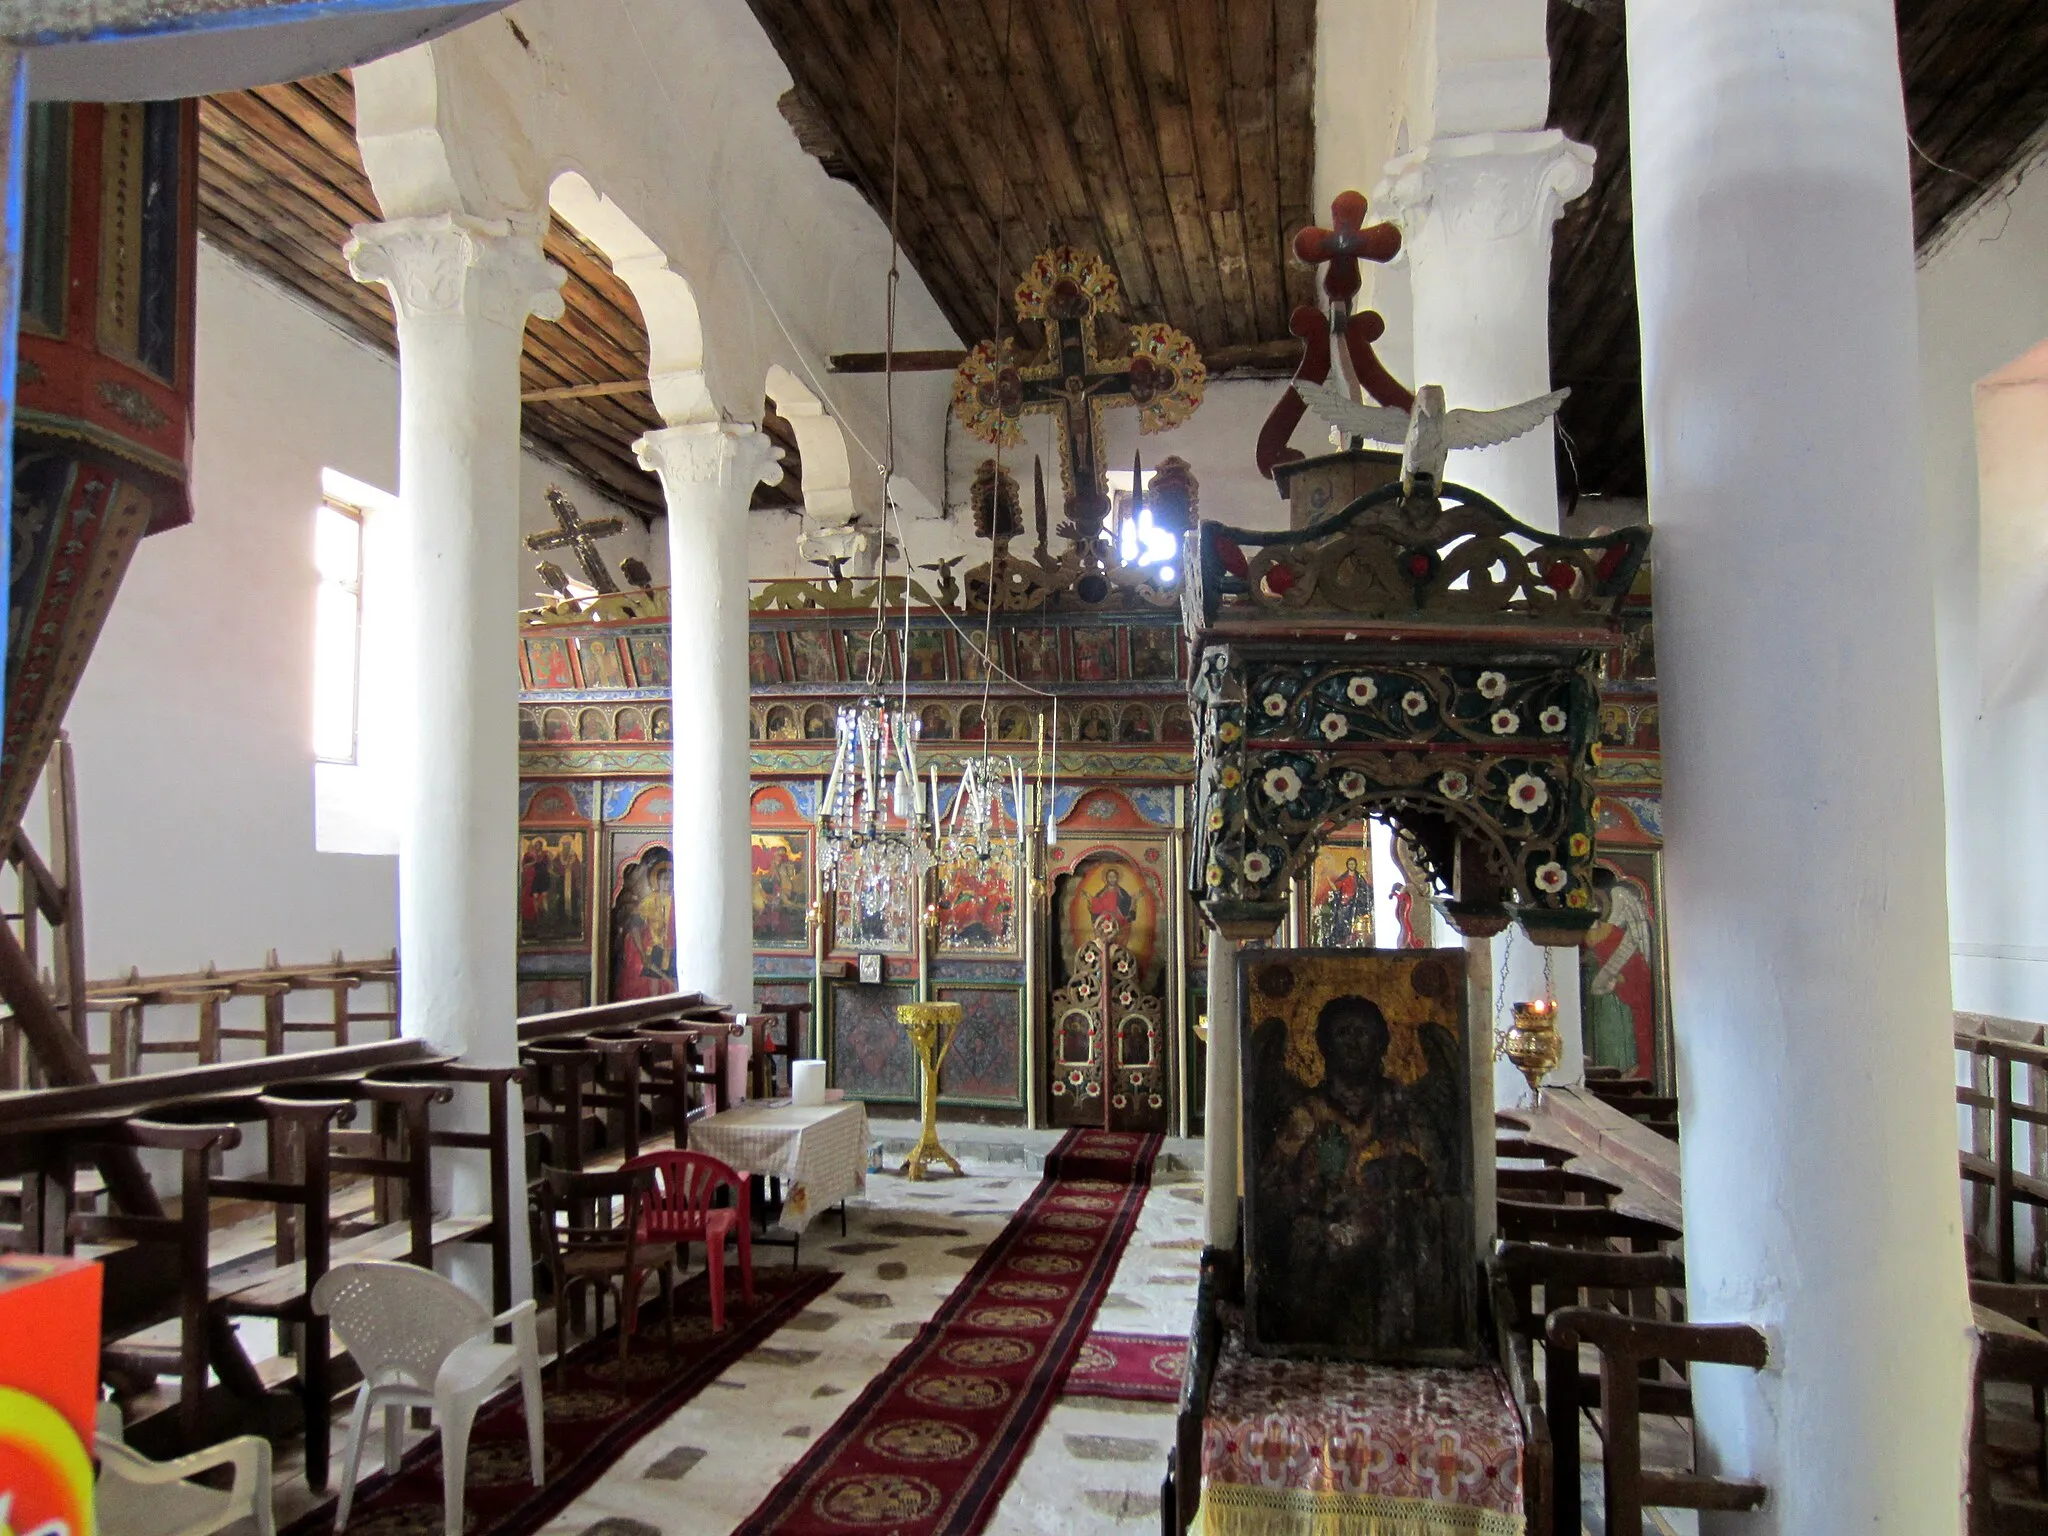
(1003, 938)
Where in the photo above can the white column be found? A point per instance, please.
(1220, 1094)
(708, 473)
(1476, 213)
(1774, 260)
(462, 288)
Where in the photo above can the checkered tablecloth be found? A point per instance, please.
(820, 1154)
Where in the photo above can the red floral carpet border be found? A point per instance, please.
(1136, 1367)
(929, 1447)
(594, 1407)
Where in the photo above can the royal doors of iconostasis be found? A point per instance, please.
(1116, 958)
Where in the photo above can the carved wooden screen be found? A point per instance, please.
(1108, 1041)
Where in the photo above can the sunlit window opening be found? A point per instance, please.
(1140, 540)
(338, 632)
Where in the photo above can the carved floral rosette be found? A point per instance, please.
(1173, 354)
(1289, 749)
(978, 396)
(1063, 263)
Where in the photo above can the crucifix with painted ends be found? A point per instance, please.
(1161, 377)
(579, 538)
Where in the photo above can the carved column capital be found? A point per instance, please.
(733, 455)
(454, 264)
(1485, 186)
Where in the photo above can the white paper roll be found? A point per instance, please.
(807, 1082)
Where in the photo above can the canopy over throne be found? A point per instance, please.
(1417, 654)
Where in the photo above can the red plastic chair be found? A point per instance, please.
(679, 1210)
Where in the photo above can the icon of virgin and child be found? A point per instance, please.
(1358, 1158)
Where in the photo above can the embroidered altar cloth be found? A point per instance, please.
(1333, 1448)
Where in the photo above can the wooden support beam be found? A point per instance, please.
(930, 360)
(589, 391)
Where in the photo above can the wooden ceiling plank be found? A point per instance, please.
(293, 112)
(962, 117)
(261, 133)
(337, 93)
(1200, 27)
(1294, 111)
(1163, 73)
(598, 307)
(275, 175)
(262, 209)
(1054, 177)
(843, 52)
(1059, 33)
(1025, 210)
(1144, 130)
(1251, 56)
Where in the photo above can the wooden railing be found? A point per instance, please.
(2004, 1086)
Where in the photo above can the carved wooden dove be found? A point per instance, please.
(1428, 433)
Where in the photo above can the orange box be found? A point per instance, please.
(49, 1391)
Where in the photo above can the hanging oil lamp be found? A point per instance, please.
(1533, 1044)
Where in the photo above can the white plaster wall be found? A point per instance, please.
(1983, 303)
(192, 723)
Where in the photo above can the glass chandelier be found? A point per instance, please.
(982, 829)
(875, 833)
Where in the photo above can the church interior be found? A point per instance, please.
(1245, 767)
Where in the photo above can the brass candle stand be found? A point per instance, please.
(931, 1027)
(1533, 1044)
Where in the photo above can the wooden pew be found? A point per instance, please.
(2012, 1350)
(1627, 1345)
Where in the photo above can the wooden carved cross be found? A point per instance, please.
(1344, 245)
(1338, 251)
(579, 538)
(1162, 377)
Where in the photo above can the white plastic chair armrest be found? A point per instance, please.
(248, 1454)
(511, 1316)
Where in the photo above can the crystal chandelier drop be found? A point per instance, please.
(984, 829)
(874, 829)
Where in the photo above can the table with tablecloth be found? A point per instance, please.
(1332, 1448)
(819, 1152)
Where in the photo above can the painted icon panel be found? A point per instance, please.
(1340, 892)
(1358, 1155)
(978, 908)
(1623, 991)
(599, 657)
(782, 890)
(641, 938)
(554, 887)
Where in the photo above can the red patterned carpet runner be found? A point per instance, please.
(929, 1447)
(595, 1407)
(1136, 1367)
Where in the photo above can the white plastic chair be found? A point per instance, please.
(424, 1342)
(139, 1497)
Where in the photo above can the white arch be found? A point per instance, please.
(828, 472)
(668, 307)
